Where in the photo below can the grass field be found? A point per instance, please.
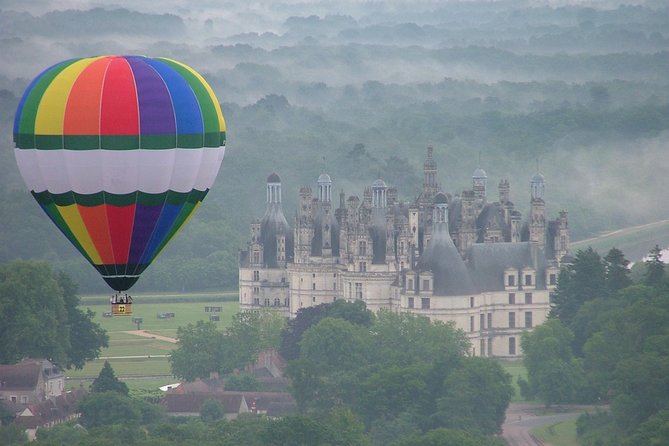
(515, 369)
(188, 309)
(560, 434)
(186, 313)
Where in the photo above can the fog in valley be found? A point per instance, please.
(577, 90)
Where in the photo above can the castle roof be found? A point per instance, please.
(479, 173)
(440, 198)
(324, 178)
(273, 178)
(442, 258)
(488, 261)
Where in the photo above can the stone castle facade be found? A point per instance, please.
(463, 258)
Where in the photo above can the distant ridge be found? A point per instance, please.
(634, 241)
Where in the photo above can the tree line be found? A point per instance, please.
(606, 341)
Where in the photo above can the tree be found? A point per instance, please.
(449, 437)
(211, 410)
(106, 408)
(33, 319)
(654, 267)
(475, 396)
(244, 382)
(353, 312)
(617, 270)
(108, 382)
(198, 351)
(335, 345)
(12, 435)
(579, 282)
(39, 317)
(553, 373)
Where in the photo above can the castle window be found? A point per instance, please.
(471, 302)
(482, 323)
(256, 257)
(313, 298)
(363, 267)
(528, 298)
(267, 301)
(277, 302)
(313, 275)
(563, 243)
(24, 399)
(512, 298)
(286, 301)
(471, 323)
(313, 286)
(511, 281)
(482, 347)
(528, 319)
(256, 301)
(426, 284)
(402, 248)
(489, 320)
(512, 346)
(410, 302)
(362, 248)
(410, 285)
(512, 319)
(358, 290)
(552, 279)
(489, 346)
(334, 286)
(256, 275)
(256, 290)
(425, 303)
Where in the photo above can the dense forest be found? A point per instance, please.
(358, 89)
(606, 342)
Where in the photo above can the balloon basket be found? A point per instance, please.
(121, 305)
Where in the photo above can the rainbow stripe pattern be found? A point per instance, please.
(119, 151)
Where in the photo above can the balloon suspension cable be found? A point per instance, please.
(121, 298)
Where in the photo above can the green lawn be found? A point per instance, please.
(125, 366)
(185, 313)
(560, 434)
(515, 369)
(188, 309)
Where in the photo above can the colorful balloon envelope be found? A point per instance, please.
(119, 151)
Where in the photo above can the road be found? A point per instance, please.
(521, 418)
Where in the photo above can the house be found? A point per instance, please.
(31, 381)
(190, 404)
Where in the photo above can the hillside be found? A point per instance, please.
(634, 241)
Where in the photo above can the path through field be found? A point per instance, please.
(146, 334)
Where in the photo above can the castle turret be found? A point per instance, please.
(537, 211)
(275, 234)
(430, 186)
(562, 237)
(479, 183)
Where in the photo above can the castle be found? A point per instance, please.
(460, 258)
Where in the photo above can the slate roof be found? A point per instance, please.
(442, 258)
(487, 262)
(491, 216)
(273, 178)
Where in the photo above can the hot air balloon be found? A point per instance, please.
(119, 151)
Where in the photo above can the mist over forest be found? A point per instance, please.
(577, 90)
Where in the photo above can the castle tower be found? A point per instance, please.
(275, 234)
(430, 186)
(562, 236)
(504, 191)
(379, 194)
(324, 188)
(467, 232)
(479, 183)
(537, 211)
(304, 231)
